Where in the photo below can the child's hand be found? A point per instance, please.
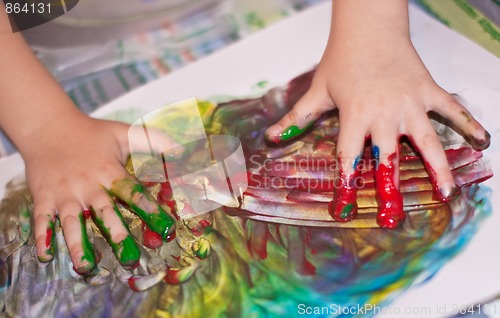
(382, 89)
(76, 165)
(73, 163)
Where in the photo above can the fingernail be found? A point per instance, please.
(449, 192)
(273, 134)
(485, 142)
(479, 143)
(45, 257)
(85, 267)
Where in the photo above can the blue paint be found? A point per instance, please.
(356, 162)
(376, 155)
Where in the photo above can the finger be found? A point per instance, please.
(453, 110)
(300, 118)
(385, 151)
(138, 200)
(73, 222)
(108, 219)
(350, 147)
(425, 139)
(45, 220)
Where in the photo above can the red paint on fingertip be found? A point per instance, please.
(390, 200)
(87, 214)
(48, 237)
(151, 239)
(344, 207)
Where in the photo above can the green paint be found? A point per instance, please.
(292, 132)
(25, 213)
(130, 253)
(138, 188)
(88, 251)
(262, 84)
(346, 211)
(127, 252)
(201, 248)
(160, 222)
(24, 222)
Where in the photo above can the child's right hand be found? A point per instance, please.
(77, 165)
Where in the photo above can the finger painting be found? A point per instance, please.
(280, 251)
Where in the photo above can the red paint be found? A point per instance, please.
(86, 214)
(344, 196)
(276, 139)
(257, 243)
(257, 248)
(390, 200)
(172, 276)
(165, 194)
(48, 237)
(200, 228)
(309, 269)
(151, 239)
(132, 284)
(171, 237)
(166, 197)
(134, 266)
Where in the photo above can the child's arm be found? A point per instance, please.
(371, 72)
(70, 158)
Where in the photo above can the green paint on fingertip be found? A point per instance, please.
(293, 131)
(138, 188)
(88, 250)
(126, 251)
(159, 222)
(129, 251)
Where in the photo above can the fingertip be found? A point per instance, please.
(129, 253)
(45, 257)
(272, 133)
(480, 143)
(81, 249)
(448, 192)
(84, 267)
(45, 235)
